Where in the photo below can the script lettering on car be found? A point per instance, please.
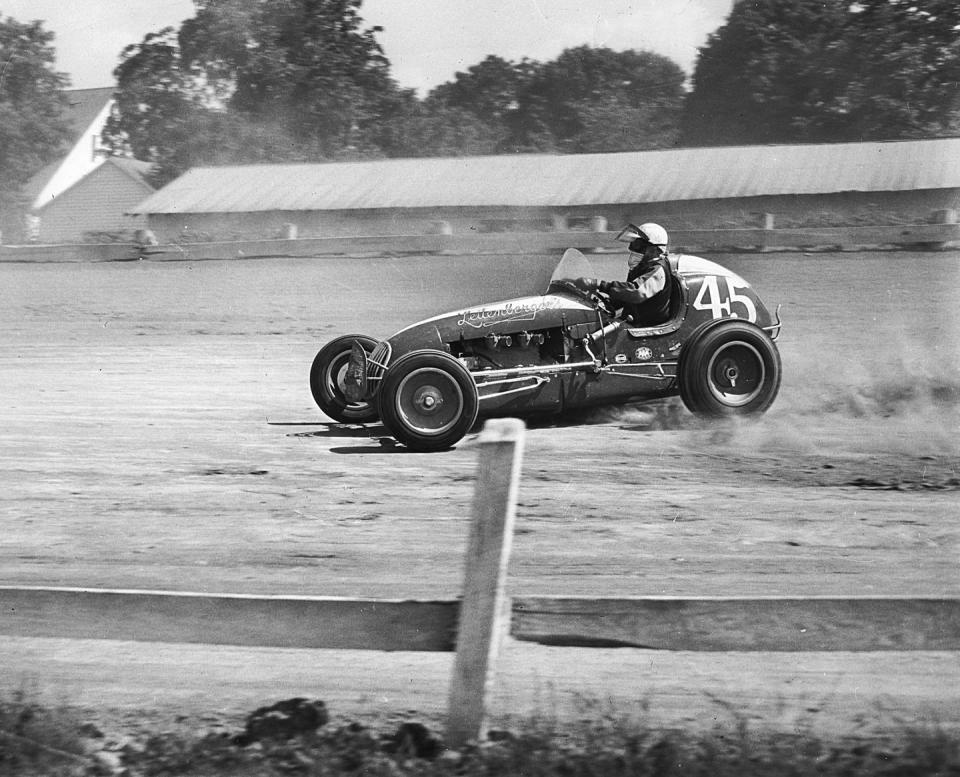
(523, 310)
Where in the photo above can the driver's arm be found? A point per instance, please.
(638, 290)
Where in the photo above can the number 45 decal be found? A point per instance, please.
(719, 303)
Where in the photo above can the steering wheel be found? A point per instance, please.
(597, 298)
(570, 286)
(603, 302)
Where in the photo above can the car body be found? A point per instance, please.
(562, 350)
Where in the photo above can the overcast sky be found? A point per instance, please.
(426, 41)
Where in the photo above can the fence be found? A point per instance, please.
(474, 625)
(913, 236)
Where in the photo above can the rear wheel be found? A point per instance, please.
(326, 381)
(428, 400)
(729, 368)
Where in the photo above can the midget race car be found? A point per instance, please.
(565, 349)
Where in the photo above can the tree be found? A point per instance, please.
(307, 61)
(597, 99)
(782, 71)
(588, 99)
(490, 90)
(296, 80)
(408, 127)
(271, 81)
(32, 127)
(158, 116)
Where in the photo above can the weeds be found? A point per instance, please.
(37, 741)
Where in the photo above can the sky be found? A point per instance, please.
(426, 41)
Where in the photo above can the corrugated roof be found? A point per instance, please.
(546, 180)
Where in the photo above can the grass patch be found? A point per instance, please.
(37, 741)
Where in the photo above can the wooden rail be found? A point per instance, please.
(740, 624)
(733, 624)
(228, 619)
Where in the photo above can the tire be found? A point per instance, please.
(428, 400)
(729, 368)
(326, 381)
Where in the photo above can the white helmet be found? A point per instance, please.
(648, 233)
(655, 234)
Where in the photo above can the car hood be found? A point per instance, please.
(504, 317)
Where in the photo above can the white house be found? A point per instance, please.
(75, 196)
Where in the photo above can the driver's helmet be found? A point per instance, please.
(646, 234)
(655, 234)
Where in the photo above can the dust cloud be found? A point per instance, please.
(902, 397)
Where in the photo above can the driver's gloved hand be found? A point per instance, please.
(587, 284)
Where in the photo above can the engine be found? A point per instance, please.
(517, 349)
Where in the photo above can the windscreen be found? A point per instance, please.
(573, 264)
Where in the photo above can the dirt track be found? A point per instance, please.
(157, 433)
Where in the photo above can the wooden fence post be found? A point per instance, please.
(483, 614)
(767, 225)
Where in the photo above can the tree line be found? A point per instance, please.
(247, 81)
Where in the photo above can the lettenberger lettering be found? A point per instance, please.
(522, 310)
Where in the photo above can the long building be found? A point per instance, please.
(800, 185)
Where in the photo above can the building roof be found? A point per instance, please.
(133, 168)
(547, 180)
(83, 107)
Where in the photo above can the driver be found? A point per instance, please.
(645, 294)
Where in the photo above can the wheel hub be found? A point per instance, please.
(427, 399)
(730, 373)
(736, 373)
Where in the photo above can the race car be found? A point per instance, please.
(562, 350)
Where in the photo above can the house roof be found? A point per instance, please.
(547, 180)
(134, 168)
(83, 106)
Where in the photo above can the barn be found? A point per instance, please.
(691, 188)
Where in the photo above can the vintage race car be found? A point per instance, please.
(565, 349)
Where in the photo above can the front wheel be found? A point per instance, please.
(729, 368)
(327, 381)
(428, 400)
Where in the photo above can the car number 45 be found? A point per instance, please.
(720, 303)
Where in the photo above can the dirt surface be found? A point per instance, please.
(157, 433)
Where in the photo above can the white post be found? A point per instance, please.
(483, 619)
(766, 224)
(598, 224)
